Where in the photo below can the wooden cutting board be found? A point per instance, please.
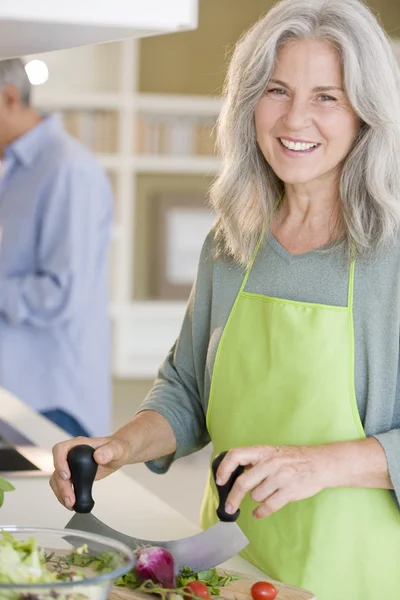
(236, 590)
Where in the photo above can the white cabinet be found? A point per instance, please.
(28, 27)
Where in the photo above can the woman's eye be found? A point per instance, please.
(276, 91)
(326, 98)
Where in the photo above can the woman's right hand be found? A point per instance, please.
(111, 453)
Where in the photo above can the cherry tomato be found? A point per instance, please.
(263, 590)
(198, 588)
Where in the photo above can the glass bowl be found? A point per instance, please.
(58, 549)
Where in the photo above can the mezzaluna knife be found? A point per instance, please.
(203, 551)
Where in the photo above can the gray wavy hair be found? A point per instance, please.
(246, 190)
(12, 71)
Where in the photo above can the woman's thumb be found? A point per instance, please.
(113, 451)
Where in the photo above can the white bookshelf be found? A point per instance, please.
(143, 332)
(172, 104)
(150, 103)
(193, 165)
(54, 101)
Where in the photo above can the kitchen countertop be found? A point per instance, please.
(121, 502)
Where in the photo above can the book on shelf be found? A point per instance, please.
(205, 138)
(174, 135)
(97, 129)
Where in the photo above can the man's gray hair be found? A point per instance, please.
(246, 190)
(12, 71)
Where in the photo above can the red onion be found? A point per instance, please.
(156, 564)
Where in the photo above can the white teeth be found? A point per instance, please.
(297, 146)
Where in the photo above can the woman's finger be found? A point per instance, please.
(62, 490)
(248, 481)
(277, 480)
(115, 452)
(241, 457)
(274, 503)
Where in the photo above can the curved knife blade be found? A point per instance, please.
(203, 551)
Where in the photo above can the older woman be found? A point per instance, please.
(289, 352)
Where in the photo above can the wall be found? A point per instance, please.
(195, 63)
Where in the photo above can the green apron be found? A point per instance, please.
(284, 375)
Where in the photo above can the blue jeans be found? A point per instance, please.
(66, 422)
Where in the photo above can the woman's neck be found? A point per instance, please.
(303, 223)
(311, 202)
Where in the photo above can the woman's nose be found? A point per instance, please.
(298, 115)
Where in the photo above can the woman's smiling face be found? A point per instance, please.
(304, 122)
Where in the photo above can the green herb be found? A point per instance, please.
(210, 578)
(128, 580)
(80, 558)
(149, 587)
(5, 486)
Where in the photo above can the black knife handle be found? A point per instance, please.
(223, 490)
(83, 469)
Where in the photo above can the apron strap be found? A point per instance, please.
(253, 258)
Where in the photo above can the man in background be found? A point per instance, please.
(55, 220)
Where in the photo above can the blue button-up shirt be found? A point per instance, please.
(55, 221)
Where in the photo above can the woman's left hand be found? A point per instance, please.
(275, 475)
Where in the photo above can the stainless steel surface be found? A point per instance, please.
(205, 550)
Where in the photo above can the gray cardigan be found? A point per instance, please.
(181, 390)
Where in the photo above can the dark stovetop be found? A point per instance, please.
(16, 452)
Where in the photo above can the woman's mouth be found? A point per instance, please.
(292, 147)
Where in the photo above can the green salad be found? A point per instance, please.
(24, 562)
